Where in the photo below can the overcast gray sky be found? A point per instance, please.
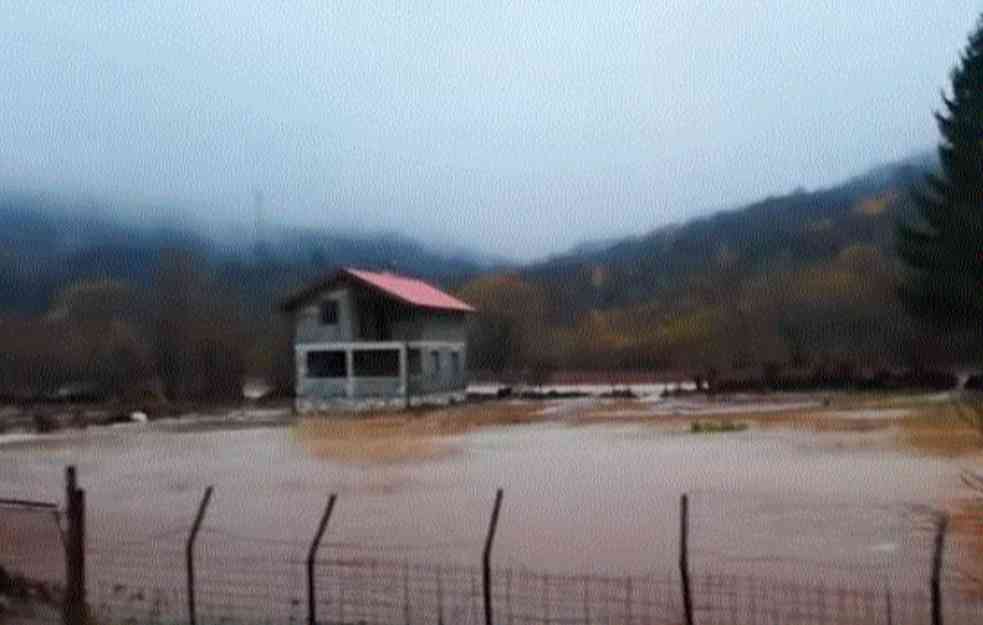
(513, 128)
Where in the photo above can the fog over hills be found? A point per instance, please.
(50, 241)
(799, 204)
(805, 280)
(515, 130)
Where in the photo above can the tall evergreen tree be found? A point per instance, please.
(944, 247)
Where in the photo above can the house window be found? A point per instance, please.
(377, 363)
(455, 363)
(374, 320)
(414, 359)
(435, 362)
(326, 364)
(329, 313)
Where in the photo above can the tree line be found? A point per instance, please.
(185, 336)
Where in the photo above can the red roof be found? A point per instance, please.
(410, 290)
(407, 290)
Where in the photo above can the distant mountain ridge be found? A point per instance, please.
(47, 244)
(804, 279)
(800, 286)
(895, 175)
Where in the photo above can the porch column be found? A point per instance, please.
(403, 374)
(350, 370)
(300, 369)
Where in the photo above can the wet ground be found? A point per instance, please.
(601, 498)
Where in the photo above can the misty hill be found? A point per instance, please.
(790, 230)
(164, 310)
(797, 281)
(48, 244)
(800, 282)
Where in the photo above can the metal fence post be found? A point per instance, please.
(940, 529)
(74, 611)
(440, 596)
(684, 558)
(311, 557)
(189, 553)
(407, 609)
(486, 557)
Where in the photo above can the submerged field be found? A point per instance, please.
(829, 489)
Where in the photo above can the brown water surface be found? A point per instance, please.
(599, 498)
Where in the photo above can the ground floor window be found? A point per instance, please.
(435, 362)
(455, 363)
(326, 364)
(377, 363)
(414, 359)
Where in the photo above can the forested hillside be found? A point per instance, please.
(804, 282)
(801, 284)
(124, 308)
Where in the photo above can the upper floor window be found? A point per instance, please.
(329, 312)
(435, 362)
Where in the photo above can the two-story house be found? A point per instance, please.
(363, 337)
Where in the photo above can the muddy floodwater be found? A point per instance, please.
(590, 498)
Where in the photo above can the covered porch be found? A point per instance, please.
(378, 369)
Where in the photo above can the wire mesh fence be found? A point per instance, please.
(131, 587)
(241, 580)
(742, 599)
(139, 584)
(526, 596)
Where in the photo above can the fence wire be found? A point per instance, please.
(244, 580)
(136, 586)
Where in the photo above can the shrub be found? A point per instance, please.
(713, 427)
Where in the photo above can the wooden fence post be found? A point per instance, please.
(74, 610)
(189, 553)
(312, 557)
(684, 558)
(486, 557)
(940, 529)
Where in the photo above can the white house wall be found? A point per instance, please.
(443, 327)
(308, 319)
